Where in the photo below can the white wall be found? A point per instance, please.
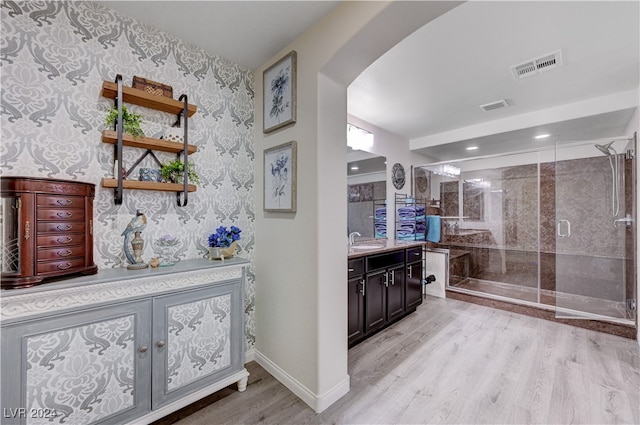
(301, 258)
(396, 149)
(301, 298)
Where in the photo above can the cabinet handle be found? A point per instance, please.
(91, 227)
(393, 277)
(350, 270)
(417, 254)
(64, 214)
(386, 280)
(64, 267)
(27, 230)
(63, 228)
(64, 253)
(161, 343)
(143, 349)
(410, 270)
(64, 240)
(64, 202)
(362, 291)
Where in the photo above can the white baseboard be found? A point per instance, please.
(249, 356)
(317, 402)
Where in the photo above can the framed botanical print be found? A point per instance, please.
(279, 101)
(280, 178)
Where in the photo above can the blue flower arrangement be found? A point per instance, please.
(223, 237)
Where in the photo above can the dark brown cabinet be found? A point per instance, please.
(413, 277)
(47, 230)
(355, 300)
(378, 291)
(375, 301)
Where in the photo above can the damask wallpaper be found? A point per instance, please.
(55, 56)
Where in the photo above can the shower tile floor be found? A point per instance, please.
(608, 310)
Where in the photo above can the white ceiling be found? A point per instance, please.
(434, 80)
(248, 33)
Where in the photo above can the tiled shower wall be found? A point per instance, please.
(54, 58)
(579, 190)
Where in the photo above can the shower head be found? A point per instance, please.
(606, 149)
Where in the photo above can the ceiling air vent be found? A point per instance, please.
(535, 66)
(494, 105)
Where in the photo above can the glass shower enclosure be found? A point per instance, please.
(553, 228)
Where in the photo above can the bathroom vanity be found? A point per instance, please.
(385, 284)
(122, 346)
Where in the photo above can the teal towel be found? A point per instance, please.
(433, 228)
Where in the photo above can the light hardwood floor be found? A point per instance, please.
(458, 363)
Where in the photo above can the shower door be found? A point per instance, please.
(595, 230)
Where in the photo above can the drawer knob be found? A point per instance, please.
(64, 240)
(63, 228)
(161, 343)
(64, 266)
(64, 253)
(143, 349)
(64, 201)
(64, 214)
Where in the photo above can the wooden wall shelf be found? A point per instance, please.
(111, 136)
(144, 185)
(142, 98)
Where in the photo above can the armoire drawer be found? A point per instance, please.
(60, 253)
(62, 265)
(61, 240)
(70, 214)
(52, 201)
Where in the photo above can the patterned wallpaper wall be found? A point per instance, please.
(54, 58)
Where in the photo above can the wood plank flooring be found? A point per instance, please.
(459, 363)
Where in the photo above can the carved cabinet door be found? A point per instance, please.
(196, 340)
(86, 367)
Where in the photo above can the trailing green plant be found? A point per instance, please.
(173, 170)
(130, 121)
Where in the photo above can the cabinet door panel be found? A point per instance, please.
(414, 285)
(81, 368)
(196, 340)
(355, 328)
(375, 301)
(395, 293)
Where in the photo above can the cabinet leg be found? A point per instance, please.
(242, 384)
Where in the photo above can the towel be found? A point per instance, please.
(433, 228)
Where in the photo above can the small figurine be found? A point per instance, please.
(154, 262)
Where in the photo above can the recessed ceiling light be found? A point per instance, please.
(541, 136)
(355, 168)
(472, 148)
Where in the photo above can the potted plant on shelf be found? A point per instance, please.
(222, 243)
(173, 171)
(130, 121)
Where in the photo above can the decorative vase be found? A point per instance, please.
(167, 256)
(137, 244)
(220, 253)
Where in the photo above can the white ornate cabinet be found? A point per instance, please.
(122, 346)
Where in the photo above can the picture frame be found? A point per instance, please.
(280, 178)
(279, 88)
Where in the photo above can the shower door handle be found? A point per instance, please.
(627, 220)
(564, 235)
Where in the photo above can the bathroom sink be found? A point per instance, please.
(365, 246)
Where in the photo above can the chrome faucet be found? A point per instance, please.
(352, 237)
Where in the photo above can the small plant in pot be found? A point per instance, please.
(173, 172)
(130, 121)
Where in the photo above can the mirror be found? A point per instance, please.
(366, 191)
